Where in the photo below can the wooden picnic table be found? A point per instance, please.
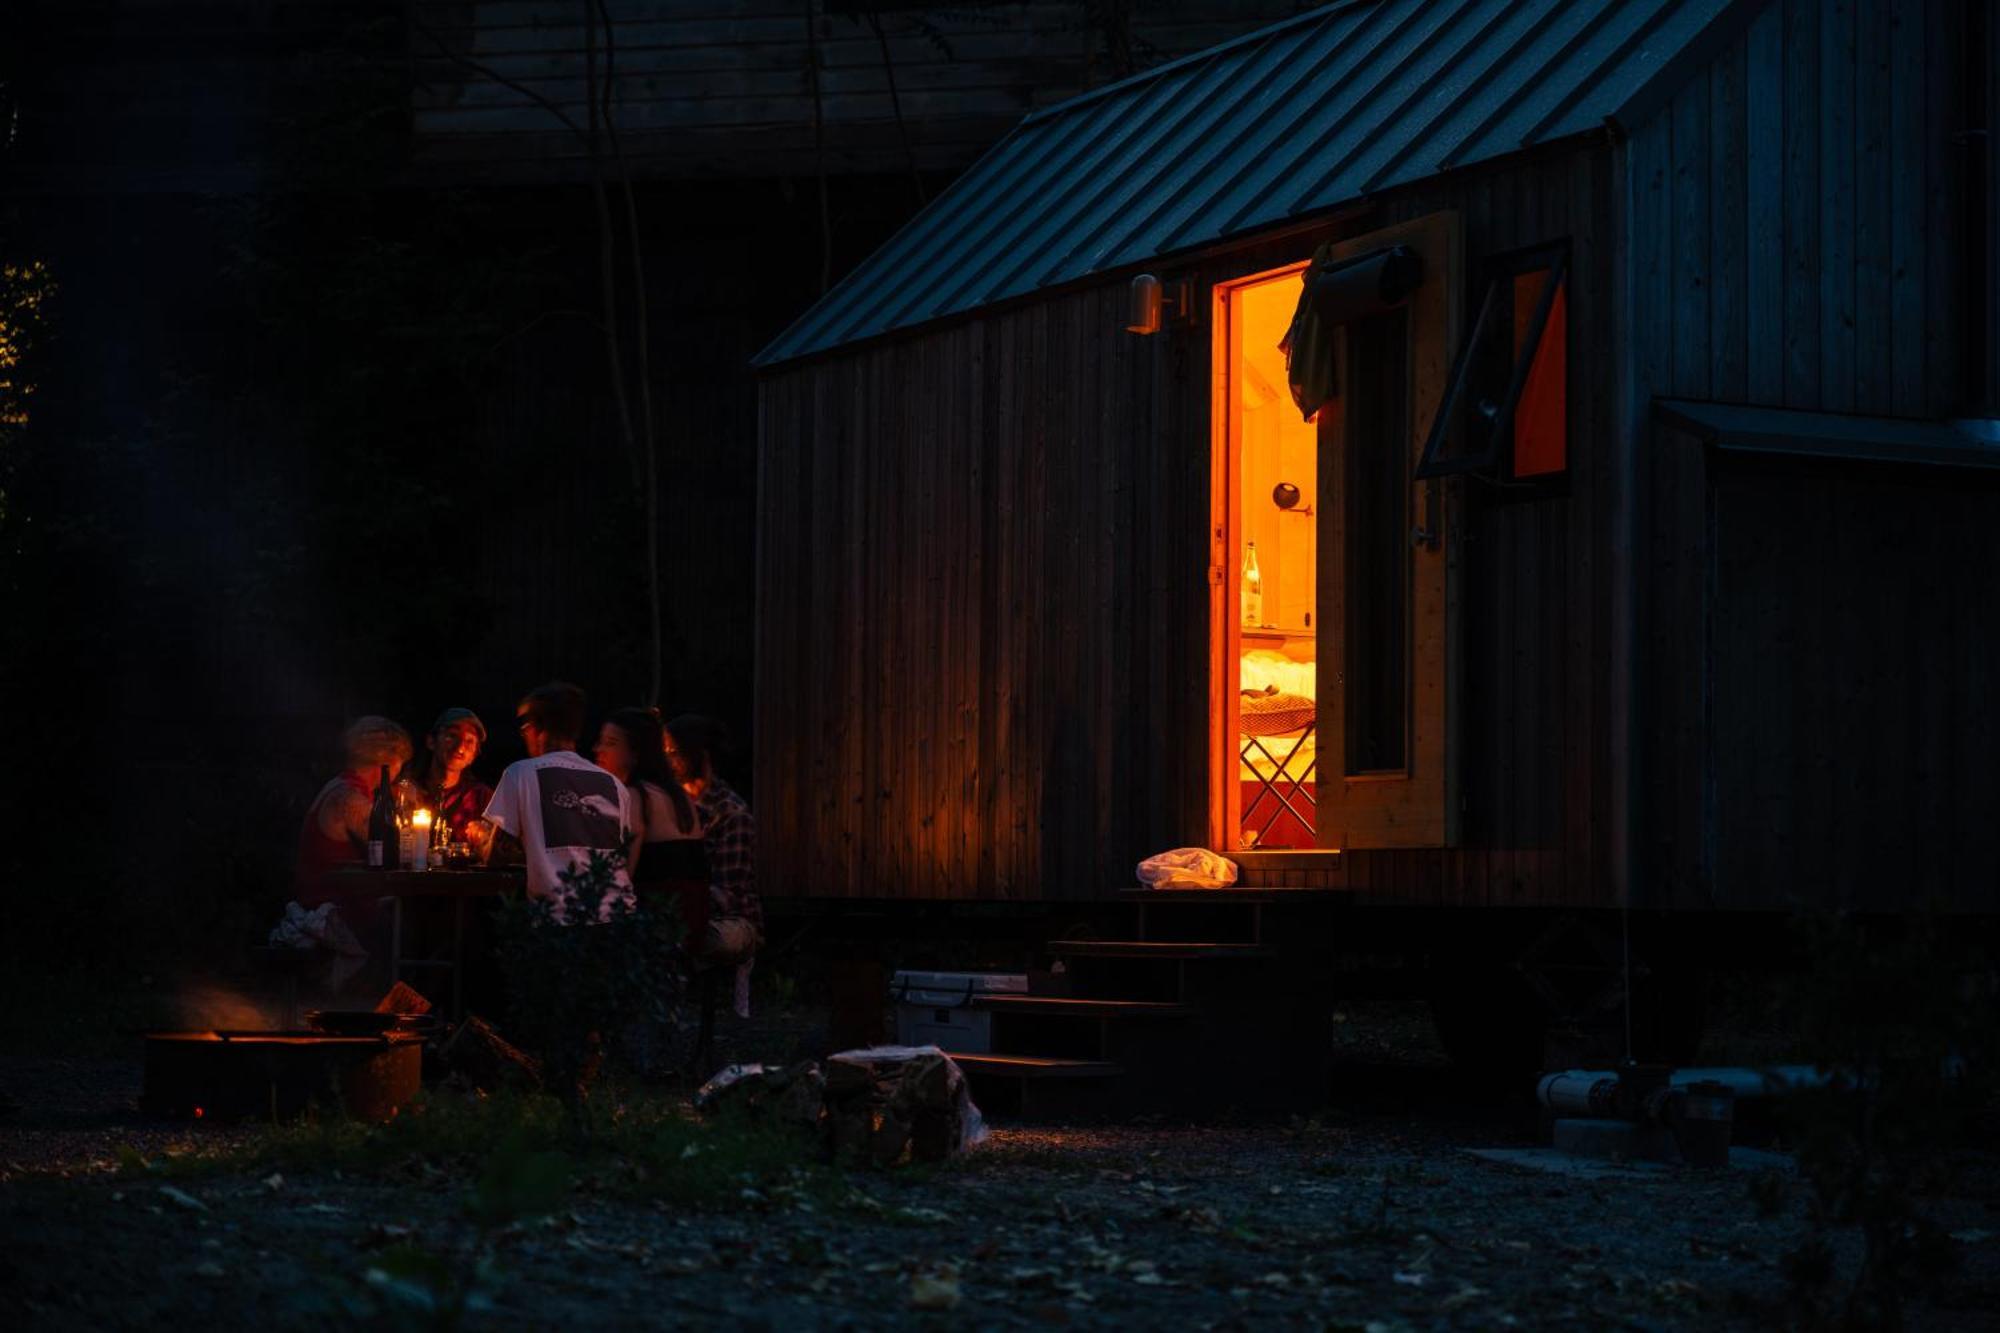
(460, 886)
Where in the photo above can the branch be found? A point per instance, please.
(819, 149)
(649, 439)
(606, 250)
(896, 105)
(485, 72)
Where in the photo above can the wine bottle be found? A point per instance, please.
(383, 853)
(1253, 587)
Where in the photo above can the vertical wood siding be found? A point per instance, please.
(1853, 646)
(1797, 234)
(982, 664)
(1806, 244)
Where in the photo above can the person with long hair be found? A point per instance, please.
(666, 847)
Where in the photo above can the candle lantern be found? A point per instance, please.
(420, 840)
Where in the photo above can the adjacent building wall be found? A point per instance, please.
(1811, 638)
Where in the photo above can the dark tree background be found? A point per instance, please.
(325, 440)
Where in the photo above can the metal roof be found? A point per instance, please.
(1297, 118)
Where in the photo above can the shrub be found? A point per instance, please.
(1903, 1017)
(585, 970)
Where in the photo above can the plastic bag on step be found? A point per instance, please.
(1187, 868)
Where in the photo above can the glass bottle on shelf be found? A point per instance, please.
(1253, 587)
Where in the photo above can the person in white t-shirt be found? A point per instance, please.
(555, 807)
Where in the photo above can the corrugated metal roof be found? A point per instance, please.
(1295, 119)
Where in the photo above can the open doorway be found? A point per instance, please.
(1331, 612)
(1275, 454)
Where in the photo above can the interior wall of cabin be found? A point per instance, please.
(1798, 235)
(1276, 666)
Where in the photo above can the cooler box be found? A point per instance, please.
(936, 1008)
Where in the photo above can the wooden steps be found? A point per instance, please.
(1165, 949)
(1204, 1020)
(1055, 1006)
(1034, 1066)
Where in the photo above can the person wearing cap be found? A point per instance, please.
(441, 778)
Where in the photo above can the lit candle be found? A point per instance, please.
(420, 840)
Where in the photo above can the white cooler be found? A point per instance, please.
(936, 1008)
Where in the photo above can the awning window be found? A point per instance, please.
(1505, 407)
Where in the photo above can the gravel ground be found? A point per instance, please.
(1370, 1216)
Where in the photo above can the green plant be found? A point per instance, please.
(419, 1288)
(586, 970)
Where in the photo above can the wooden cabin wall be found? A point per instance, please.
(1855, 625)
(1797, 236)
(982, 658)
(980, 653)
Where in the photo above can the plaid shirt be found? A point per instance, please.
(730, 838)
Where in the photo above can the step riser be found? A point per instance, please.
(1227, 982)
(1236, 923)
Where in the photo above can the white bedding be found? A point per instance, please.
(1259, 669)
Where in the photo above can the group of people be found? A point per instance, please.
(648, 800)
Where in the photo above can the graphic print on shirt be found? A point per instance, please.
(579, 808)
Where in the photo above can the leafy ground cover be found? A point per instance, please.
(490, 1214)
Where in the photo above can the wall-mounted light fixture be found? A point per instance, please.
(1154, 303)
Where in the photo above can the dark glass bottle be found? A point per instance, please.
(383, 852)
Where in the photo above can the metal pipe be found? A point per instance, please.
(1593, 1092)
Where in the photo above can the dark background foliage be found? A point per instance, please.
(336, 443)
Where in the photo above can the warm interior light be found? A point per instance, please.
(1279, 650)
(1541, 430)
(422, 819)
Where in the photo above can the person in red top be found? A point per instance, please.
(335, 832)
(441, 778)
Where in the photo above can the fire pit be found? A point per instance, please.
(221, 1075)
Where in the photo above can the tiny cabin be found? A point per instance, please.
(1478, 453)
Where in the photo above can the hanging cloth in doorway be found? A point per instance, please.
(1336, 292)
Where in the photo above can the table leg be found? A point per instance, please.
(457, 957)
(395, 939)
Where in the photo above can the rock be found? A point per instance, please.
(791, 1096)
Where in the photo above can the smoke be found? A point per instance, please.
(210, 1004)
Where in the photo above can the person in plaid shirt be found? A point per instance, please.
(729, 837)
